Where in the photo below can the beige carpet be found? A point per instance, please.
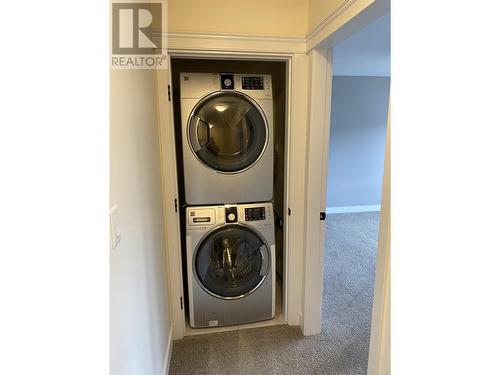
(341, 348)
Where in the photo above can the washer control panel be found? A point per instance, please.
(255, 213)
(259, 215)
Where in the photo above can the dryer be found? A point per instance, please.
(231, 264)
(227, 142)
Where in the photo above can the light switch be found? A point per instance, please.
(114, 226)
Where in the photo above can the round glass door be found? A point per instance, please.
(231, 262)
(228, 132)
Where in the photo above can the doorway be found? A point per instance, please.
(359, 110)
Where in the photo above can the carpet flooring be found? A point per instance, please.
(342, 346)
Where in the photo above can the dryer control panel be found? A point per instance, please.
(258, 86)
(252, 83)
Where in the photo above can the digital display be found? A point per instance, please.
(252, 83)
(255, 213)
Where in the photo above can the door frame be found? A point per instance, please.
(380, 335)
(317, 156)
(307, 60)
(320, 83)
(296, 81)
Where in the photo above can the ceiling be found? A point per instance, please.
(366, 52)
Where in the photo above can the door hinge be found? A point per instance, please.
(169, 93)
(322, 215)
(182, 305)
(175, 204)
(289, 212)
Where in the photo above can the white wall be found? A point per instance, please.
(294, 18)
(366, 52)
(357, 140)
(139, 320)
(259, 17)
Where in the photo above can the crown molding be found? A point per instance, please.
(255, 43)
(345, 12)
(234, 42)
(331, 17)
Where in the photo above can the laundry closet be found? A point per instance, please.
(230, 132)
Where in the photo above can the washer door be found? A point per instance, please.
(228, 132)
(231, 262)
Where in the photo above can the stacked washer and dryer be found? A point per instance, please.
(227, 120)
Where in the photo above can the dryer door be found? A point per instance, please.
(228, 132)
(231, 262)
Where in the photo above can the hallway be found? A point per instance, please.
(341, 348)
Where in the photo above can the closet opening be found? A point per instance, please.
(226, 131)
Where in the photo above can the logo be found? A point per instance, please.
(137, 35)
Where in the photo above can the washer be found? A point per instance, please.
(231, 264)
(227, 142)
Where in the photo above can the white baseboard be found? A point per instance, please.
(342, 210)
(168, 352)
